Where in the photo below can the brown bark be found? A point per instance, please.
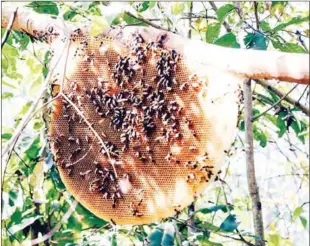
(253, 64)
(253, 188)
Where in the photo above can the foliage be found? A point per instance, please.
(34, 198)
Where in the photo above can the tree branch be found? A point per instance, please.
(285, 97)
(189, 35)
(8, 29)
(191, 228)
(214, 7)
(145, 21)
(255, 64)
(253, 188)
(256, 15)
(57, 226)
(273, 105)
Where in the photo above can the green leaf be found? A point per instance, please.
(278, 3)
(281, 123)
(46, 7)
(274, 96)
(303, 221)
(255, 41)
(297, 212)
(33, 151)
(7, 95)
(265, 26)
(278, 6)
(228, 40)
(213, 31)
(89, 218)
(36, 182)
(143, 6)
(74, 224)
(297, 129)
(224, 208)
(152, 4)
(10, 202)
(288, 47)
(177, 8)
(206, 242)
(230, 223)
(168, 237)
(274, 239)
(24, 223)
(58, 184)
(259, 136)
(155, 237)
(69, 14)
(98, 24)
(162, 237)
(114, 240)
(223, 11)
(209, 226)
(15, 218)
(293, 21)
(242, 125)
(265, 99)
(6, 136)
(21, 39)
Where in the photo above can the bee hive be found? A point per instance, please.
(136, 134)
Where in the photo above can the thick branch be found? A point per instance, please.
(253, 188)
(285, 97)
(254, 64)
(33, 23)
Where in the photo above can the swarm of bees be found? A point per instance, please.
(123, 118)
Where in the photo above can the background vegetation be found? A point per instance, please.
(34, 200)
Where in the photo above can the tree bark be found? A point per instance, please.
(253, 188)
(253, 64)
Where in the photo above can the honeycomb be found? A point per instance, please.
(137, 133)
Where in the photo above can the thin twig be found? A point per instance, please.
(189, 35)
(80, 113)
(197, 16)
(286, 175)
(145, 21)
(275, 104)
(252, 184)
(57, 226)
(21, 159)
(214, 7)
(286, 98)
(8, 29)
(191, 228)
(302, 94)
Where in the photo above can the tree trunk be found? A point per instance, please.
(253, 64)
(253, 189)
